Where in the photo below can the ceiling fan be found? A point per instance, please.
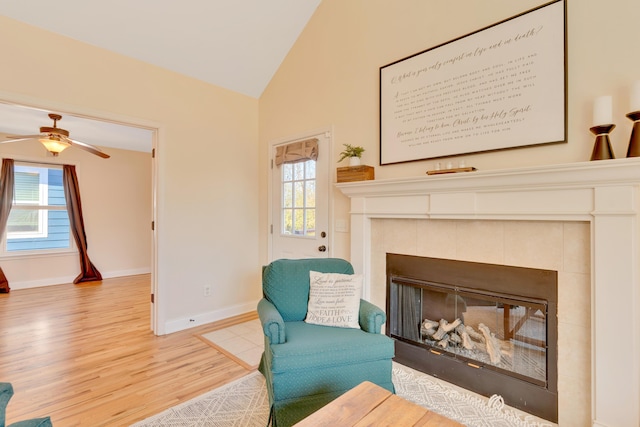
(56, 139)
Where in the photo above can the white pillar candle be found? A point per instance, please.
(635, 97)
(602, 111)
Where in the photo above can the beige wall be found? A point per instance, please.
(207, 199)
(330, 77)
(116, 202)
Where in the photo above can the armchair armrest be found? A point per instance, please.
(371, 317)
(272, 322)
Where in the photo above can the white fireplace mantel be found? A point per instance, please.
(604, 193)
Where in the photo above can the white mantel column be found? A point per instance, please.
(615, 302)
(361, 243)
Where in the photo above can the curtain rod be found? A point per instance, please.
(33, 162)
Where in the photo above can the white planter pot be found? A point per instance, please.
(354, 161)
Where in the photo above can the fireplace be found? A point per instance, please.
(588, 216)
(488, 328)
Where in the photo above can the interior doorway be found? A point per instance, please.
(21, 115)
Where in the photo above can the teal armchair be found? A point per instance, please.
(6, 392)
(306, 365)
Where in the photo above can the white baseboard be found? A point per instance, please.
(51, 281)
(209, 317)
(123, 273)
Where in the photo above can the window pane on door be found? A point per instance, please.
(287, 172)
(299, 193)
(311, 222)
(287, 221)
(287, 194)
(310, 170)
(310, 195)
(298, 225)
(299, 170)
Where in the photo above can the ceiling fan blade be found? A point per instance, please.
(87, 147)
(14, 138)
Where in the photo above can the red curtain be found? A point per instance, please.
(88, 272)
(6, 196)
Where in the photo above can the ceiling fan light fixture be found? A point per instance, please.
(54, 144)
(56, 139)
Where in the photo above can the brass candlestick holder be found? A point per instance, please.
(634, 142)
(602, 147)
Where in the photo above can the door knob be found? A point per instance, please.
(322, 248)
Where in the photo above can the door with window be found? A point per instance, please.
(38, 221)
(300, 198)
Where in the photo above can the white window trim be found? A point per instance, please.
(38, 253)
(41, 253)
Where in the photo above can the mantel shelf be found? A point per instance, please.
(583, 174)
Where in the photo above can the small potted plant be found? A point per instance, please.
(353, 153)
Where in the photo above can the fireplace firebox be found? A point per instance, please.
(489, 328)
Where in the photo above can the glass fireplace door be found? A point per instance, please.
(485, 329)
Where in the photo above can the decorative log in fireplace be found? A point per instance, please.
(489, 328)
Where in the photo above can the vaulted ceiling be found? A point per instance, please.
(235, 44)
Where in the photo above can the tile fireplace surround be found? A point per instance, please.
(597, 202)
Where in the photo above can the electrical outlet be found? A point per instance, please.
(207, 290)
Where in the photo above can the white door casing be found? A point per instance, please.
(299, 193)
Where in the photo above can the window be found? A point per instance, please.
(299, 198)
(38, 221)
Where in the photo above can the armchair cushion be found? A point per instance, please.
(311, 347)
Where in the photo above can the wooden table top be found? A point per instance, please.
(371, 405)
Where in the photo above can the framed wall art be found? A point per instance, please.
(503, 86)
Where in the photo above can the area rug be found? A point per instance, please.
(244, 403)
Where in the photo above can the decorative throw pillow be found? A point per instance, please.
(334, 299)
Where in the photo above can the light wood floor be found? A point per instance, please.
(85, 355)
